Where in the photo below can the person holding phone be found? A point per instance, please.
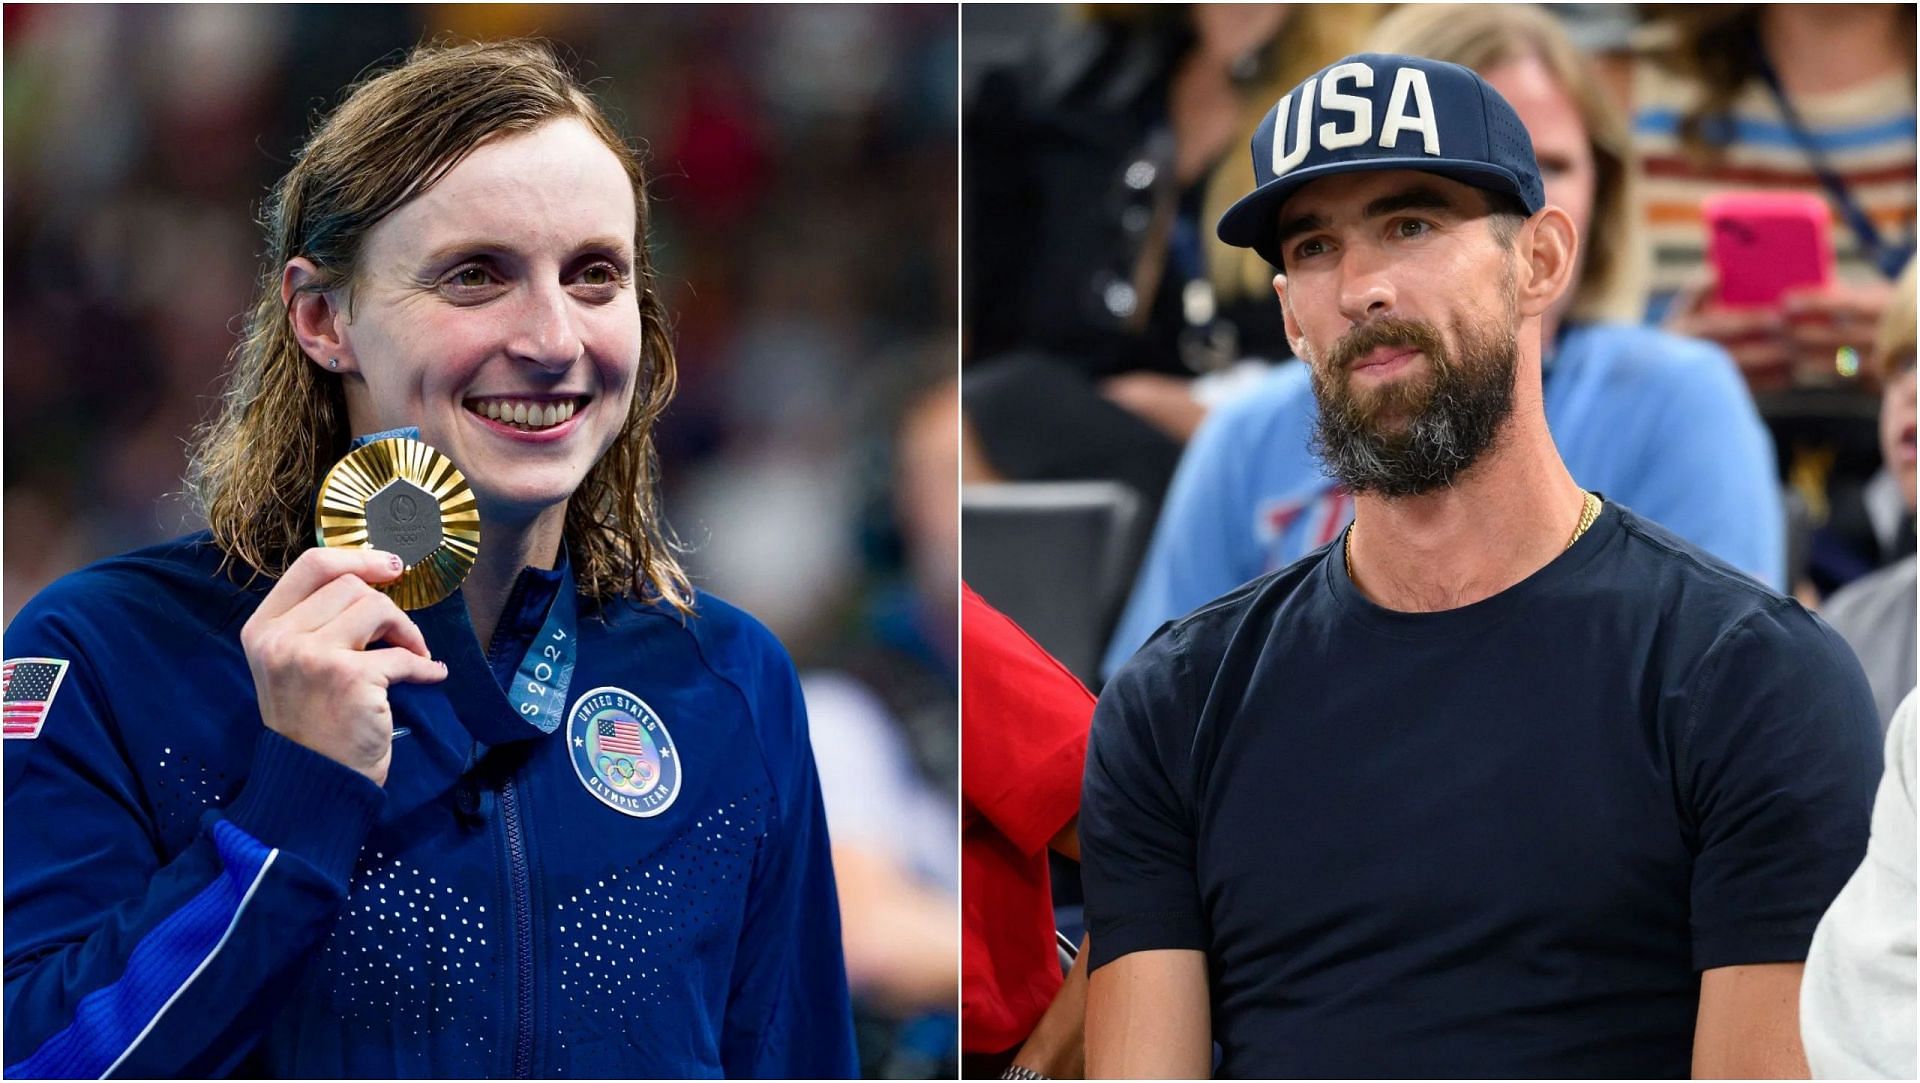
(1876, 612)
(261, 821)
(1814, 99)
(1506, 780)
(1807, 100)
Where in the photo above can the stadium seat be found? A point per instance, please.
(1799, 534)
(1068, 950)
(1056, 557)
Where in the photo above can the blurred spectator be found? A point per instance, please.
(882, 713)
(1814, 98)
(1806, 98)
(1857, 997)
(142, 138)
(1655, 422)
(1876, 613)
(1095, 169)
(1024, 742)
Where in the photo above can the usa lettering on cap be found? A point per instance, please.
(1409, 109)
(1375, 111)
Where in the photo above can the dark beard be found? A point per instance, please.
(1413, 436)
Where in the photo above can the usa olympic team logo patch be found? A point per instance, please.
(623, 752)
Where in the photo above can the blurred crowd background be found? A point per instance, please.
(804, 170)
(1104, 325)
(1135, 426)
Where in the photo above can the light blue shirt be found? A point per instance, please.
(1659, 423)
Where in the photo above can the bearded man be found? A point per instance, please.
(1506, 781)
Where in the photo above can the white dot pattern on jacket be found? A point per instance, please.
(617, 937)
(407, 945)
(184, 789)
(412, 954)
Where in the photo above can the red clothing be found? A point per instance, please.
(1023, 725)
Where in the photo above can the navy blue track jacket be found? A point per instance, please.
(621, 870)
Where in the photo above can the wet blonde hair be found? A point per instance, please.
(1484, 37)
(282, 421)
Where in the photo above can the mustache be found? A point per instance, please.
(1386, 331)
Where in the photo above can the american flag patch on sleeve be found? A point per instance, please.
(28, 686)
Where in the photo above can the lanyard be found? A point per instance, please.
(1889, 259)
(405, 432)
(537, 695)
(539, 691)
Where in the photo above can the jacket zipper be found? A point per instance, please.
(522, 932)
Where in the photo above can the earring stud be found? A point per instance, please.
(335, 362)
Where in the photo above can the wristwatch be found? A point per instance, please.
(1015, 1071)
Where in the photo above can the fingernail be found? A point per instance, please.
(394, 562)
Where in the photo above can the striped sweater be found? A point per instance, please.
(1865, 131)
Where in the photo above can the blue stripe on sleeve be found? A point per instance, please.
(1768, 133)
(112, 1020)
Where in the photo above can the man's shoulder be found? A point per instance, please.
(1707, 605)
(1639, 345)
(1670, 563)
(1196, 642)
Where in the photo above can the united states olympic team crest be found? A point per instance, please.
(622, 752)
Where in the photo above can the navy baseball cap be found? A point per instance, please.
(1380, 111)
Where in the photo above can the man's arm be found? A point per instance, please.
(1749, 1024)
(1148, 1017)
(1148, 1009)
(1067, 842)
(1780, 767)
(1057, 1048)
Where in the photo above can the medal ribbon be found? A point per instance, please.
(534, 703)
(537, 697)
(409, 432)
(539, 690)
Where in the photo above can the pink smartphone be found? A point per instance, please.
(1765, 243)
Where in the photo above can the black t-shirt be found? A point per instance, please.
(1500, 840)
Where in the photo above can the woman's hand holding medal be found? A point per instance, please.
(317, 683)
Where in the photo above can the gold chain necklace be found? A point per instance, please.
(1589, 511)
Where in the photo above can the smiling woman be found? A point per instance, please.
(563, 821)
(504, 288)
(471, 207)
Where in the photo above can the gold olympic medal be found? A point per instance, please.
(402, 496)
